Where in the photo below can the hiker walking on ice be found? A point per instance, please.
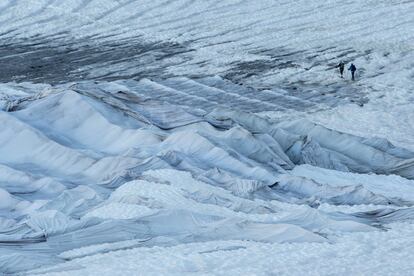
(341, 67)
(352, 68)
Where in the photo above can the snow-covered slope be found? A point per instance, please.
(96, 167)
(211, 137)
(263, 43)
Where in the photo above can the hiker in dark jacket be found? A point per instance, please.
(352, 68)
(341, 67)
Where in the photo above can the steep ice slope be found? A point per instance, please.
(101, 166)
(220, 141)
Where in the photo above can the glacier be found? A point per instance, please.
(206, 137)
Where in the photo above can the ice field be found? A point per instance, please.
(178, 137)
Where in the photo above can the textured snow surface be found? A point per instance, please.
(206, 137)
(100, 170)
(381, 253)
